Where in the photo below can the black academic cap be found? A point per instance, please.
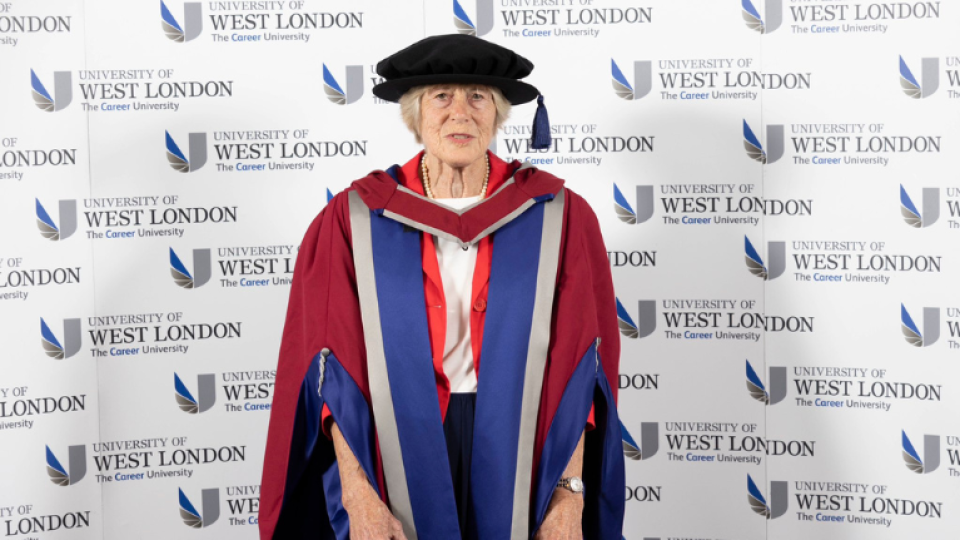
(457, 59)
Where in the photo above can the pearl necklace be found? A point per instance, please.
(425, 178)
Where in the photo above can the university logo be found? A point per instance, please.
(62, 91)
(929, 74)
(202, 269)
(54, 347)
(644, 205)
(206, 394)
(210, 502)
(76, 457)
(773, 9)
(931, 454)
(776, 254)
(68, 221)
(335, 92)
(647, 318)
(755, 150)
(931, 208)
(192, 22)
(778, 385)
(779, 499)
(649, 441)
(329, 195)
(642, 80)
(196, 143)
(484, 12)
(931, 327)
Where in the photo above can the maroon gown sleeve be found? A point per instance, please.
(584, 309)
(323, 312)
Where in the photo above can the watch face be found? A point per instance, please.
(576, 485)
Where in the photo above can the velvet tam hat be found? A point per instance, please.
(455, 59)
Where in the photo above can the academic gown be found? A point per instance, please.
(356, 340)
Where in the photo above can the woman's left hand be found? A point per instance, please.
(564, 519)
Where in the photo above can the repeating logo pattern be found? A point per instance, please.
(755, 149)
(62, 91)
(778, 385)
(206, 394)
(202, 269)
(931, 208)
(209, 501)
(647, 319)
(71, 339)
(625, 211)
(779, 501)
(649, 441)
(484, 14)
(68, 221)
(931, 454)
(912, 333)
(929, 75)
(336, 93)
(776, 254)
(642, 80)
(76, 457)
(192, 22)
(774, 16)
(197, 144)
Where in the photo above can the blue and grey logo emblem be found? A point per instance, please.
(484, 11)
(776, 254)
(642, 80)
(931, 327)
(71, 339)
(62, 91)
(210, 502)
(206, 394)
(68, 221)
(931, 454)
(201, 269)
(773, 9)
(646, 317)
(778, 385)
(755, 149)
(76, 457)
(626, 212)
(931, 208)
(192, 22)
(929, 74)
(336, 93)
(779, 499)
(197, 144)
(649, 441)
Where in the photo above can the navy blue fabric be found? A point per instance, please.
(458, 430)
(313, 480)
(406, 343)
(604, 468)
(503, 359)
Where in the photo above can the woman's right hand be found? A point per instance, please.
(370, 519)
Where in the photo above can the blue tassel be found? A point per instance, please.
(540, 138)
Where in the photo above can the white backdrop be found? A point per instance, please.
(782, 241)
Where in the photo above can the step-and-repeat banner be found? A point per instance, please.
(776, 181)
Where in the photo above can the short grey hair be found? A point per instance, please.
(410, 107)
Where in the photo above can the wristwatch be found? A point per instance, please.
(573, 483)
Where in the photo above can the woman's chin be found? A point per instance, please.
(461, 156)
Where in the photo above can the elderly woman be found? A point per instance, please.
(409, 282)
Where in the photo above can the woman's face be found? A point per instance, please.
(457, 123)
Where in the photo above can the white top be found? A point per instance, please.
(456, 273)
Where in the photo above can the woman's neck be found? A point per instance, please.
(447, 182)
